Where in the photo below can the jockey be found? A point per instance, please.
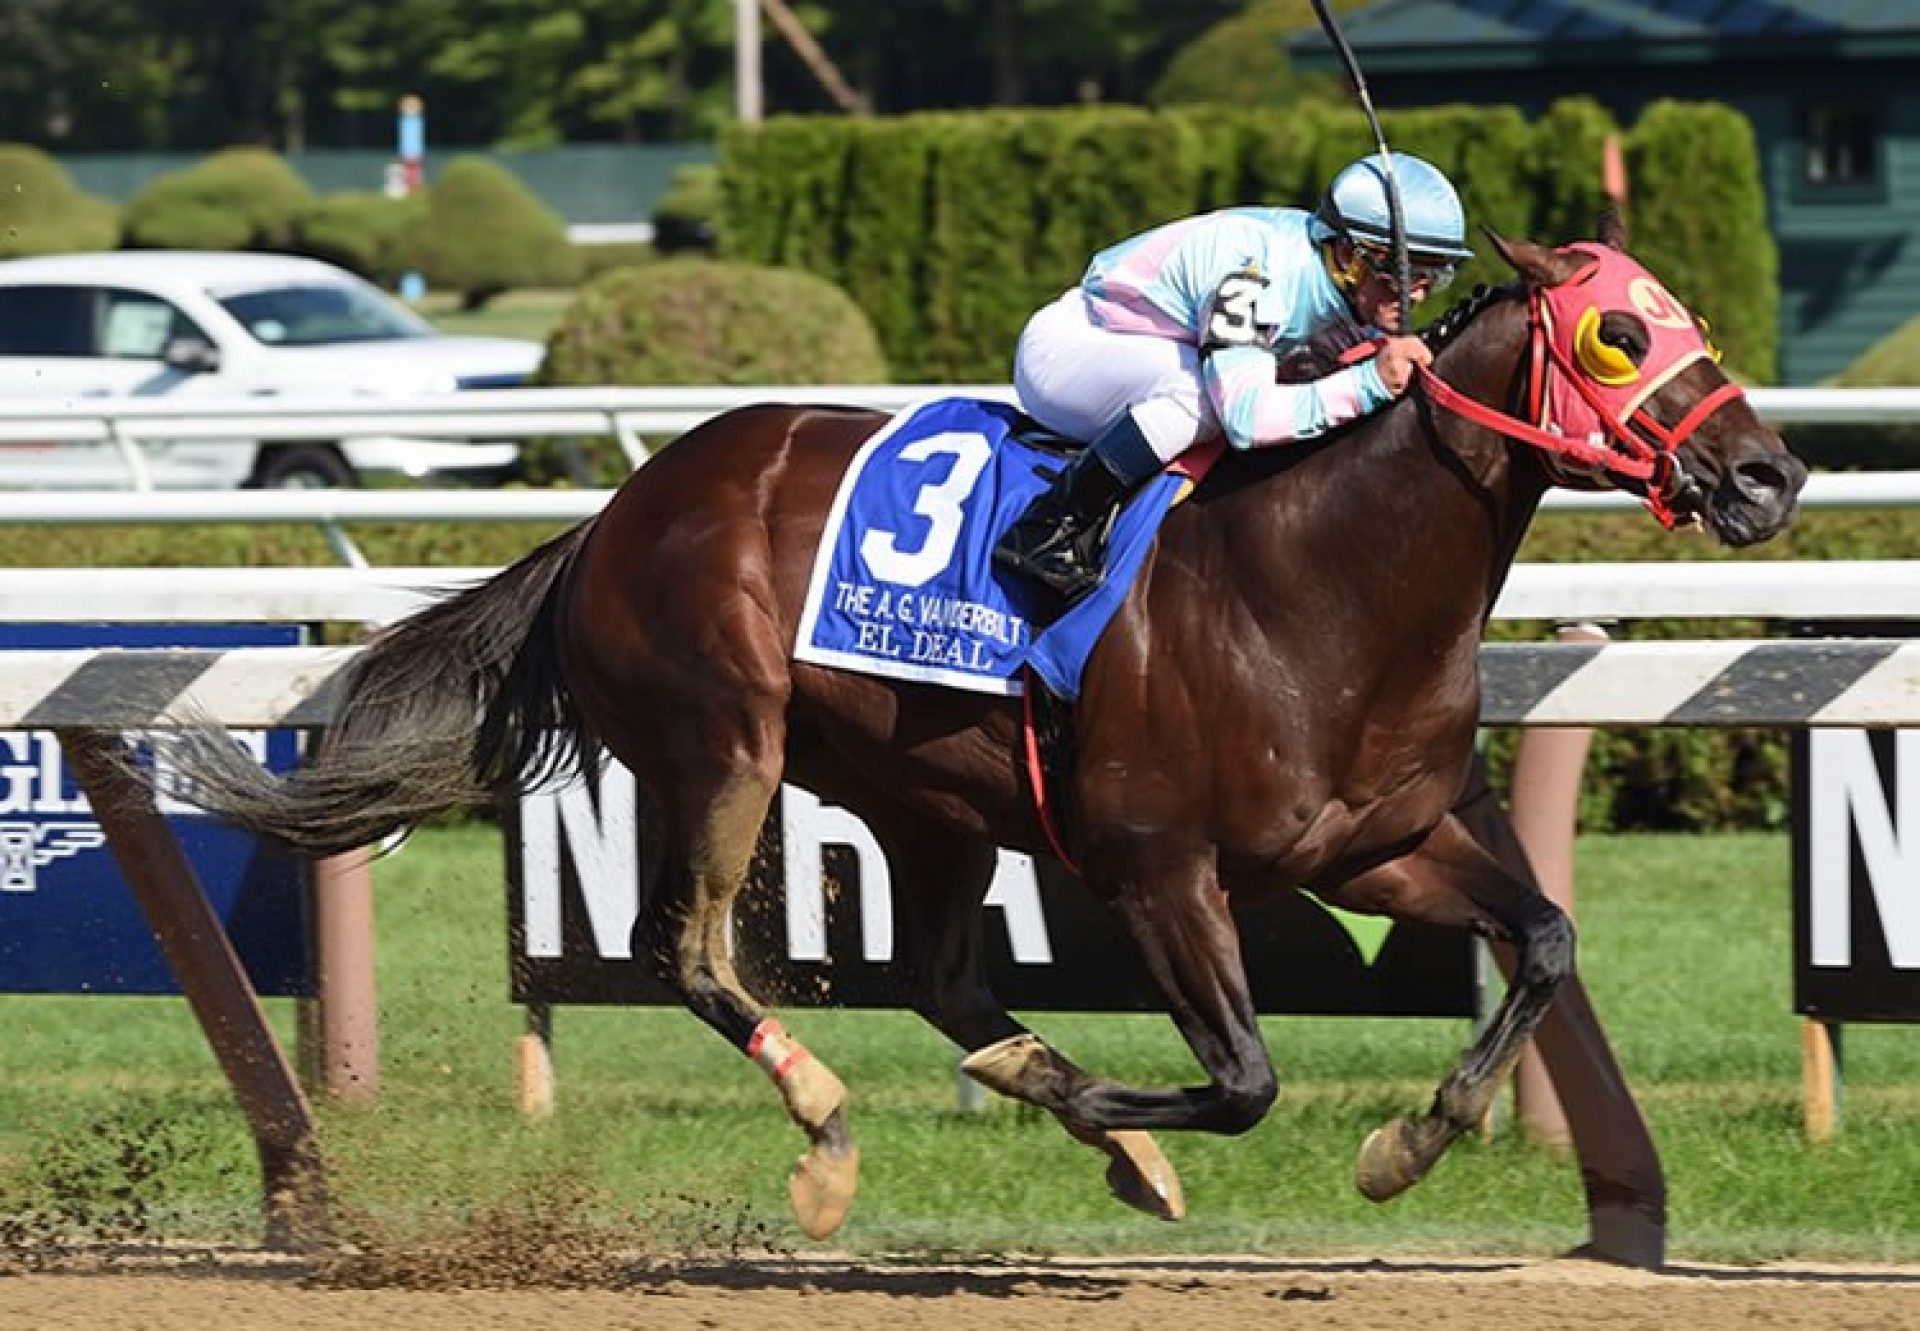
(1174, 337)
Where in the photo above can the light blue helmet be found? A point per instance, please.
(1355, 207)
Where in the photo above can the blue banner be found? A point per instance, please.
(68, 923)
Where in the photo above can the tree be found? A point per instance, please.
(1242, 60)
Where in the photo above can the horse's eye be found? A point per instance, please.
(1625, 332)
(1609, 347)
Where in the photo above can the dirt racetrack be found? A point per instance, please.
(231, 1293)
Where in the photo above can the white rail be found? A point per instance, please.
(630, 415)
(1857, 589)
(1826, 490)
(1853, 590)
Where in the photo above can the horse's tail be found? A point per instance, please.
(444, 708)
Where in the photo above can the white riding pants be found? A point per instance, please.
(1077, 378)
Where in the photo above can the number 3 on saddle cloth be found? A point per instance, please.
(904, 584)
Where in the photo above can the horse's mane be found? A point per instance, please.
(1454, 322)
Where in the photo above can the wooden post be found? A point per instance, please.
(203, 961)
(748, 95)
(1613, 174)
(1619, 1166)
(533, 1062)
(1820, 1079)
(816, 60)
(349, 1008)
(1547, 767)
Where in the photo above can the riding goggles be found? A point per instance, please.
(1423, 270)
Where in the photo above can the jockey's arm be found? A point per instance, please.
(1239, 365)
(1256, 412)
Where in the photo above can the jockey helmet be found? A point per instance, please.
(1355, 209)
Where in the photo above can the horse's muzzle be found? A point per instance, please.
(1757, 495)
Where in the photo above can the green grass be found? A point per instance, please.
(1684, 945)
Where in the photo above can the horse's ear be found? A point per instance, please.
(1538, 264)
(1613, 229)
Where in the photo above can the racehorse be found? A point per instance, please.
(1287, 697)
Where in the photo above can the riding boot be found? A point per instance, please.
(1060, 540)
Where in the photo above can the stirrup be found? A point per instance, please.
(1061, 565)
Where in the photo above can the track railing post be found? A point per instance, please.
(349, 1017)
(1619, 1165)
(1547, 766)
(202, 960)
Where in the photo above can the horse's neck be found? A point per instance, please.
(1419, 511)
(1487, 360)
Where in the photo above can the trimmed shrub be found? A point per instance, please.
(1252, 156)
(950, 229)
(484, 232)
(1565, 172)
(697, 321)
(1699, 217)
(1019, 202)
(41, 212)
(1242, 61)
(1892, 362)
(370, 234)
(237, 199)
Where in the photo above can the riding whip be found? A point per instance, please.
(1402, 266)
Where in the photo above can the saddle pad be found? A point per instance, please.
(904, 584)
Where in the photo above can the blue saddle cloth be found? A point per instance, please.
(904, 584)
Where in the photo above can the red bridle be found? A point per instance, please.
(1636, 447)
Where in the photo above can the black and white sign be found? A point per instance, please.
(817, 925)
(1856, 880)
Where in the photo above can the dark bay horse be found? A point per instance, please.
(1288, 697)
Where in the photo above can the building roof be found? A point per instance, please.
(1409, 33)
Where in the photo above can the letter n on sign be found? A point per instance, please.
(1856, 875)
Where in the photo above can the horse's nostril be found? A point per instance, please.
(1768, 479)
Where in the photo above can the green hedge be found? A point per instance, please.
(370, 234)
(484, 233)
(1699, 219)
(237, 199)
(949, 229)
(43, 212)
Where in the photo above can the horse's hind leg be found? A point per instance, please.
(1451, 880)
(946, 876)
(1172, 906)
(710, 830)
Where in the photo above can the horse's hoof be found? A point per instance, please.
(822, 1189)
(1007, 1065)
(1387, 1165)
(1142, 1177)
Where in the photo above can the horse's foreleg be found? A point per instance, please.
(1450, 880)
(697, 959)
(950, 876)
(1179, 921)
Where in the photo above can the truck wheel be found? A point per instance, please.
(307, 467)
